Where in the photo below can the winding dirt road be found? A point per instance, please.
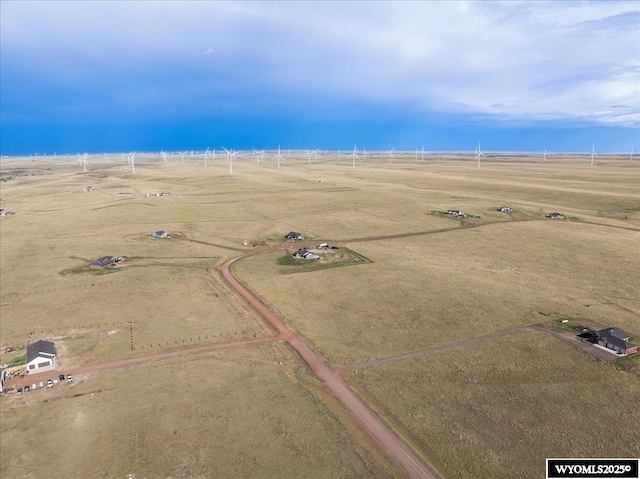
(396, 449)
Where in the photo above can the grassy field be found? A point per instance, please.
(429, 290)
(387, 298)
(499, 408)
(230, 416)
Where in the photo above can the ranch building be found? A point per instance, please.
(616, 340)
(456, 213)
(506, 209)
(104, 262)
(159, 234)
(41, 356)
(292, 235)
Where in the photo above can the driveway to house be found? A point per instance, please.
(396, 449)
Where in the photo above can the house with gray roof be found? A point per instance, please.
(616, 340)
(41, 356)
(103, 262)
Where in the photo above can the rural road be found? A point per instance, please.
(122, 363)
(586, 347)
(396, 449)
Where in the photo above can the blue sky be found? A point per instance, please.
(516, 76)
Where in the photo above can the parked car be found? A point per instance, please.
(26, 389)
(69, 379)
(19, 391)
(34, 386)
(61, 378)
(49, 383)
(41, 384)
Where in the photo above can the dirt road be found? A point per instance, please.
(586, 347)
(123, 363)
(396, 449)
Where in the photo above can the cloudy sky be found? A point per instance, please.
(518, 76)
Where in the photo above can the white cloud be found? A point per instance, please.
(507, 60)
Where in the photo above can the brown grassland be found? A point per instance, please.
(256, 411)
(498, 408)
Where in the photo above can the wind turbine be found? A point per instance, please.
(83, 161)
(422, 153)
(230, 159)
(309, 153)
(182, 153)
(164, 155)
(206, 156)
(545, 154)
(364, 153)
(391, 154)
(354, 155)
(132, 162)
(593, 153)
(279, 157)
(479, 154)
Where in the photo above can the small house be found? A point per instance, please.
(160, 234)
(616, 340)
(505, 209)
(41, 356)
(555, 216)
(164, 194)
(456, 213)
(125, 193)
(305, 254)
(323, 246)
(292, 235)
(104, 262)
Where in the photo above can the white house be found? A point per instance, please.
(41, 356)
(506, 209)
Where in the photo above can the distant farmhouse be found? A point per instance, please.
(104, 262)
(555, 216)
(157, 194)
(292, 235)
(160, 234)
(303, 253)
(41, 356)
(614, 339)
(505, 209)
(456, 214)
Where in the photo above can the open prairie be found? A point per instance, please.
(407, 277)
(248, 412)
(499, 408)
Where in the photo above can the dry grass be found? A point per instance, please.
(418, 292)
(230, 416)
(436, 289)
(500, 407)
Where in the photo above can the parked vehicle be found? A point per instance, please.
(61, 378)
(41, 384)
(26, 389)
(49, 383)
(19, 391)
(70, 379)
(34, 386)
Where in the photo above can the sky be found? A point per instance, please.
(112, 76)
